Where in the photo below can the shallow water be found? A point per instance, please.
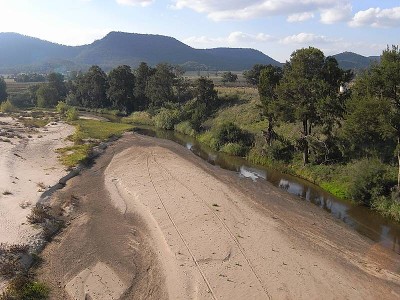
(363, 220)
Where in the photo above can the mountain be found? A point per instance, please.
(354, 61)
(23, 53)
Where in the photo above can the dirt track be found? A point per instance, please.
(155, 222)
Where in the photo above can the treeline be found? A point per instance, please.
(350, 125)
(30, 77)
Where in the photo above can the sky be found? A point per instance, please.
(275, 27)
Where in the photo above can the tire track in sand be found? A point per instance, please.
(179, 233)
(224, 225)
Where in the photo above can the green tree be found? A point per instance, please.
(143, 73)
(121, 88)
(47, 96)
(383, 82)
(92, 88)
(3, 90)
(253, 75)
(56, 81)
(367, 129)
(269, 80)
(308, 95)
(229, 77)
(204, 102)
(159, 89)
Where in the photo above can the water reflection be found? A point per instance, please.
(363, 220)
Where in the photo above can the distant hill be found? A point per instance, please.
(354, 61)
(19, 53)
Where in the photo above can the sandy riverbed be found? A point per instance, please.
(156, 222)
(28, 166)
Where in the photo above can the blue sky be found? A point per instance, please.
(275, 27)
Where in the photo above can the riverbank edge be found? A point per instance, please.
(387, 209)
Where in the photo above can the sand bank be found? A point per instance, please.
(163, 224)
(28, 166)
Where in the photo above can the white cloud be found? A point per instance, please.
(377, 17)
(249, 9)
(336, 14)
(240, 37)
(135, 2)
(236, 38)
(306, 39)
(300, 17)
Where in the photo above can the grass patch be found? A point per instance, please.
(74, 155)
(87, 134)
(93, 129)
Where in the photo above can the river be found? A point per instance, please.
(365, 221)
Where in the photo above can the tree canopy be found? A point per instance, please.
(309, 92)
(121, 88)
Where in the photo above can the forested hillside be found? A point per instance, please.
(20, 53)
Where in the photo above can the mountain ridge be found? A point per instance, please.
(22, 53)
(19, 51)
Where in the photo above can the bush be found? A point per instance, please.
(24, 288)
(62, 108)
(280, 151)
(185, 128)
(388, 207)
(231, 133)
(72, 114)
(167, 118)
(39, 214)
(7, 107)
(369, 180)
(237, 149)
(139, 118)
(208, 139)
(22, 99)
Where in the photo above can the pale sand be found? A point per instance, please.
(216, 241)
(28, 166)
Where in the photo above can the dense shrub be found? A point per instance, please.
(231, 133)
(280, 151)
(24, 288)
(389, 207)
(167, 118)
(62, 108)
(7, 107)
(185, 128)
(24, 99)
(237, 149)
(72, 114)
(370, 179)
(208, 139)
(139, 118)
